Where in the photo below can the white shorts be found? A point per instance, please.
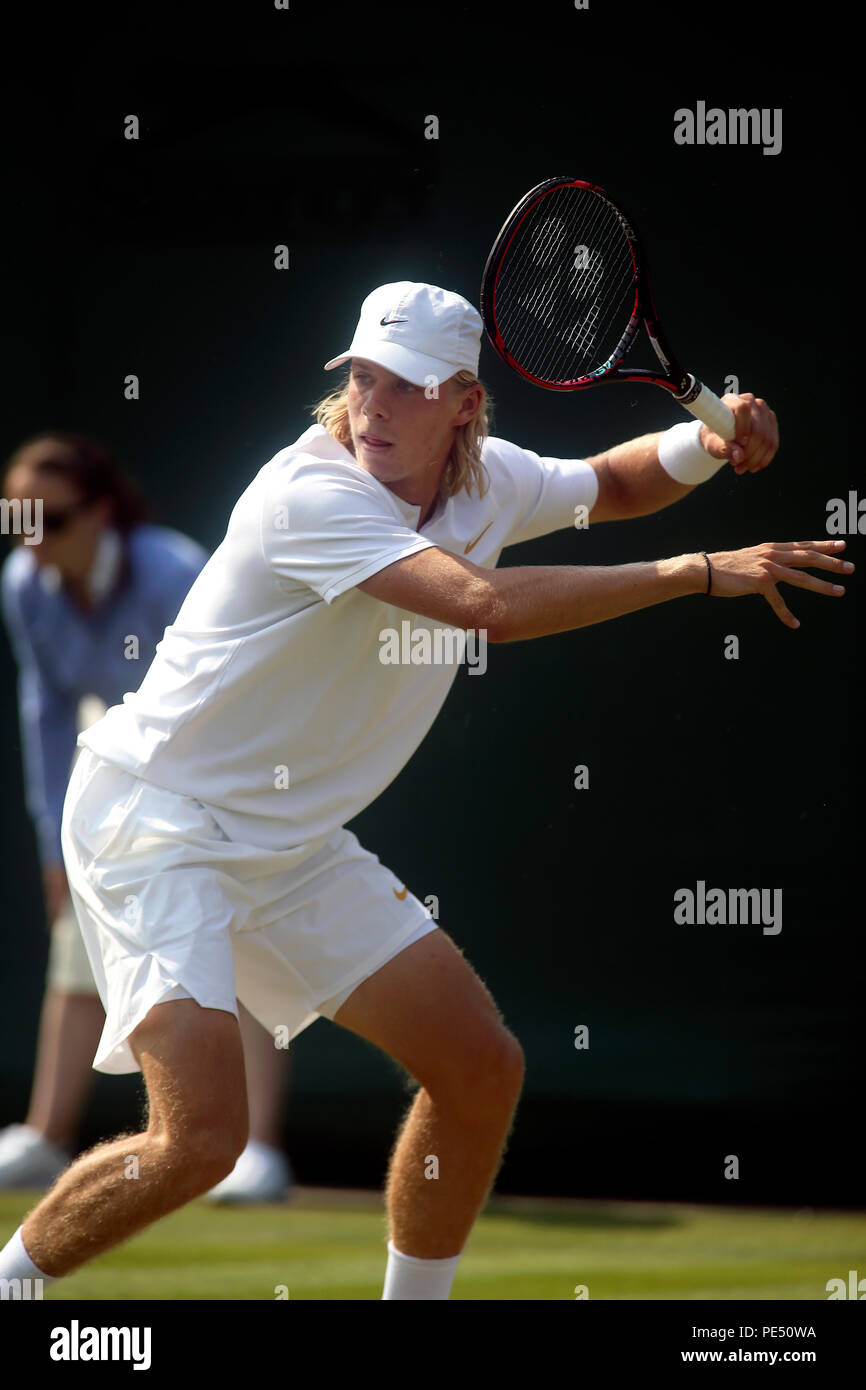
(168, 905)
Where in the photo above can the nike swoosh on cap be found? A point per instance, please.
(385, 321)
(472, 544)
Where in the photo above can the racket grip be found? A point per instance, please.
(714, 413)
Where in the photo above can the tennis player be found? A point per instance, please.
(203, 829)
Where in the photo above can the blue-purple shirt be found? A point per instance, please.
(64, 653)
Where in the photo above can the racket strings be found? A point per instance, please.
(549, 247)
(579, 298)
(565, 287)
(562, 284)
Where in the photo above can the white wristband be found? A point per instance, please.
(683, 457)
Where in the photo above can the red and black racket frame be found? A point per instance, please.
(682, 385)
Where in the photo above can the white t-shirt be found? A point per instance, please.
(267, 699)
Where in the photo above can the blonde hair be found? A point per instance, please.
(463, 467)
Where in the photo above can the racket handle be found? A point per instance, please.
(706, 405)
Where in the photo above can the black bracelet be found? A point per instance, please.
(709, 571)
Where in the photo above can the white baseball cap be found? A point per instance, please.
(416, 331)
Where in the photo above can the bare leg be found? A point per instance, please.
(428, 1010)
(267, 1073)
(431, 1218)
(70, 1027)
(192, 1063)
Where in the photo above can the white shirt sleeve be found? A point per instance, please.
(330, 528)
(547, 490)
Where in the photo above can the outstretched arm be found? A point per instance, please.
(510, 605)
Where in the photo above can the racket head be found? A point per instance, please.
(564, 286)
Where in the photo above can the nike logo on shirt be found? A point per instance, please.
(472, 544)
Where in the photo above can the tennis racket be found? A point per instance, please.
(564, 292)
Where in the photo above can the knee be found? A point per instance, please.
(203, 1153)
(488, 1077)
(510, 1059)
(508, 1066)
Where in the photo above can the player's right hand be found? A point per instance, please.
(56, 890)
(758, 569)
(756, 441)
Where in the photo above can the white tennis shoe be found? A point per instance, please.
(27, 1159)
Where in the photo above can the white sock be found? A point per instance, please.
(15, 1263)
(408, 1277)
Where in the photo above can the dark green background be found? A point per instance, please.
(157, 258)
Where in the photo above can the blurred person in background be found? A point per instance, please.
(84, 608)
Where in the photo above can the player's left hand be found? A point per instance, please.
(756, 439)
